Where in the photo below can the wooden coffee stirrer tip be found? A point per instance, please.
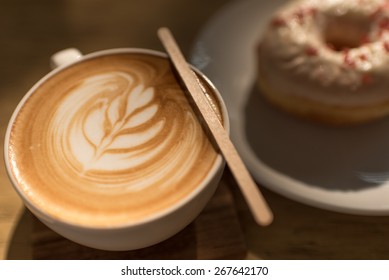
(256, 202)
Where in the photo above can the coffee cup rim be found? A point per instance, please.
(149, 219)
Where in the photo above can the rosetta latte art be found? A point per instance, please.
(116, 132)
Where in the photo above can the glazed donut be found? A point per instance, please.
(327, 60)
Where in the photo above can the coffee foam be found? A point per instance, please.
(108, 141)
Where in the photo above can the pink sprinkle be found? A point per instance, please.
(312, 11)
(386, 46)
(278, 22)
(311, 51)
(300, 16)
(384, 23)
(363, 57)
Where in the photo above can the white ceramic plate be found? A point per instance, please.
(344, 169)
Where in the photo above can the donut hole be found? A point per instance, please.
(345, 32)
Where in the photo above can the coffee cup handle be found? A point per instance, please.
(65, 57)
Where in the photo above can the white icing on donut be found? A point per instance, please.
(294, 50)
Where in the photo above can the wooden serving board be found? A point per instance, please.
(215, 234)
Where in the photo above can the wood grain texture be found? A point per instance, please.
(302, 232)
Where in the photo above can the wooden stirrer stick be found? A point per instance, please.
(257, 204)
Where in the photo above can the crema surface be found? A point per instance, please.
(109, 141)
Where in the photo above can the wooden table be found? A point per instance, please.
(30, 31)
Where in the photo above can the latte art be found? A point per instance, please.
(116, 126)
(114, 140)
(112, 127)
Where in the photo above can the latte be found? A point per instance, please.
(108, 141)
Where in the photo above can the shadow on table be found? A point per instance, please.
(215, 234)
(333, 158)
(20, 244)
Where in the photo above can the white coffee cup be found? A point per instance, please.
(129, 235)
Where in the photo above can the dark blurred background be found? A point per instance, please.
(30, 31)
